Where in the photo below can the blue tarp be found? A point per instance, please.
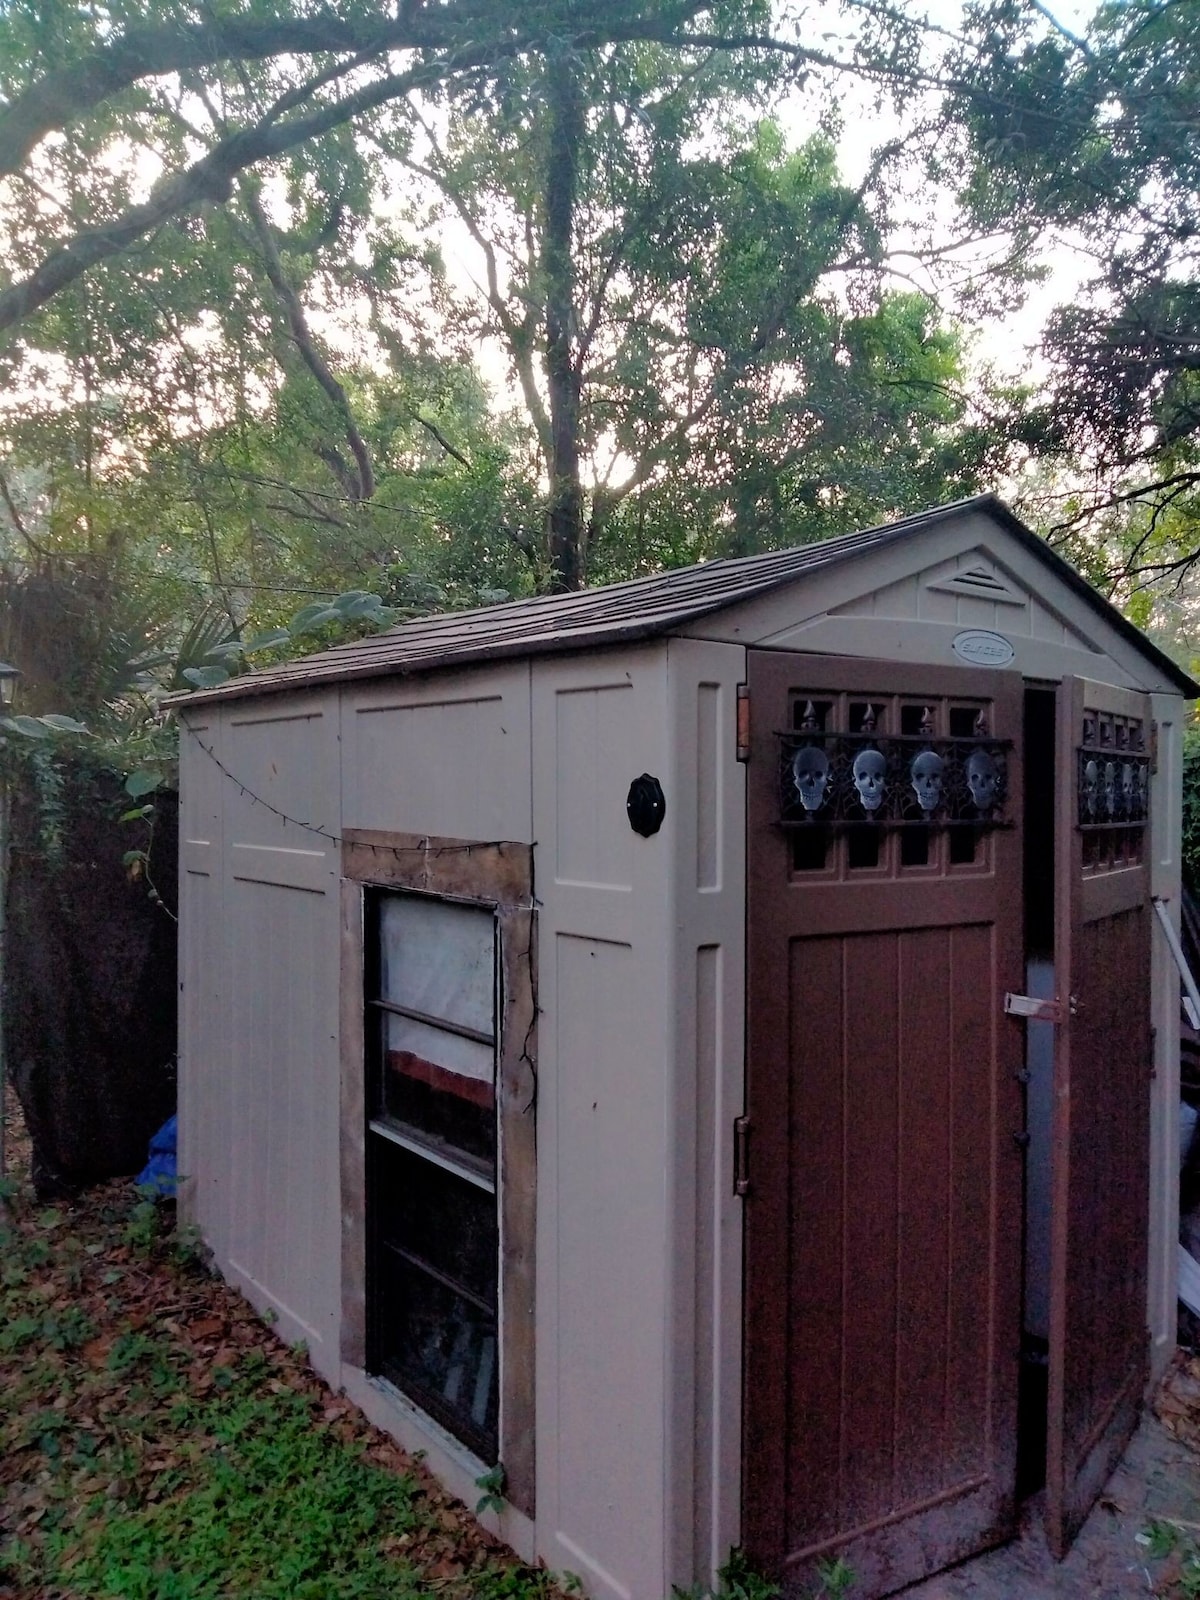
(159, 1172)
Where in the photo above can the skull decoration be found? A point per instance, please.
(1110, 788)
(1143, 788)
(1129, 794)
(926, 774)
(810, 773)
(870, 770)
(1091, 787)
(983, 779)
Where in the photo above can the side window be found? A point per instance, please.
(433, 1230)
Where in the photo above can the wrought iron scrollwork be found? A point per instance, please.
(1113, 783)
(872, 780)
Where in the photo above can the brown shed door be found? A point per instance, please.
(883, 1227)
(1101, 1173)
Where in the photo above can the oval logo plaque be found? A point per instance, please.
(981, 648)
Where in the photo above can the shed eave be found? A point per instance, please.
(250, 686)
(670, 599)
(992, 505)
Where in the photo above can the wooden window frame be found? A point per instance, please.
(498, 876)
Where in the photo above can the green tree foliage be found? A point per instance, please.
(240, 378)
(695, 316)
(109, 73)
(274, 396)
(1191, 808)
(1097, 135)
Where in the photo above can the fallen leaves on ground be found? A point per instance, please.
(1177, 1403)
(158, 1442)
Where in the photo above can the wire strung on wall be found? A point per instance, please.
(398, 851)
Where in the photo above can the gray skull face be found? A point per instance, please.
(870, 769)
(927, 779)
(1110, 788)
(1129, 792)
(1143, 788)
(1091, 787)
(982, 779)
(810, 772)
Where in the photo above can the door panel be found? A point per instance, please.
(1101, 1160)
(883, 1219)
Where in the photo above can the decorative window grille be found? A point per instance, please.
(863, 777)
(1112, 789)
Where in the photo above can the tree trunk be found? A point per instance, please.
(564, 514)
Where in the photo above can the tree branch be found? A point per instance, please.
(363, 487)
(209, 179)
(519, 335)
(62, 95)
(1062, 30)
(18, 521)
(1176, 483)
(432, 428)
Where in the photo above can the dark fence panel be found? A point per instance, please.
(90, 991)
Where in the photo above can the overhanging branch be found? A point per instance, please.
(61, 96)
(211, 179)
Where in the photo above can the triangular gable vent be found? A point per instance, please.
(982, 583)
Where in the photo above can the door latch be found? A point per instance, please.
(1027, 1005)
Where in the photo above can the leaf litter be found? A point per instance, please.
(158, 1441)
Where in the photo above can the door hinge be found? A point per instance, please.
(1027, 1005)
(743, 722)
(741, 1156)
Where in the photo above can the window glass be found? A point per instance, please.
(437, 1268)
(441, 1222)
(433, 1276)
(441, 1350)
(439, 958)
(441, 1085)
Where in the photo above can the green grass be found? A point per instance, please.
(1165, 1540)
(158, 1443)
(260, 1505)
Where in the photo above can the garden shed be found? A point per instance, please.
(701, 1045)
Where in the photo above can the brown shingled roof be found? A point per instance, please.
(614, 613)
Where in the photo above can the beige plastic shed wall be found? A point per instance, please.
(259, 975)
(447, 754)
(641, 964)
(261, 967)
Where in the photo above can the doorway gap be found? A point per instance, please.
(1039, 880)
